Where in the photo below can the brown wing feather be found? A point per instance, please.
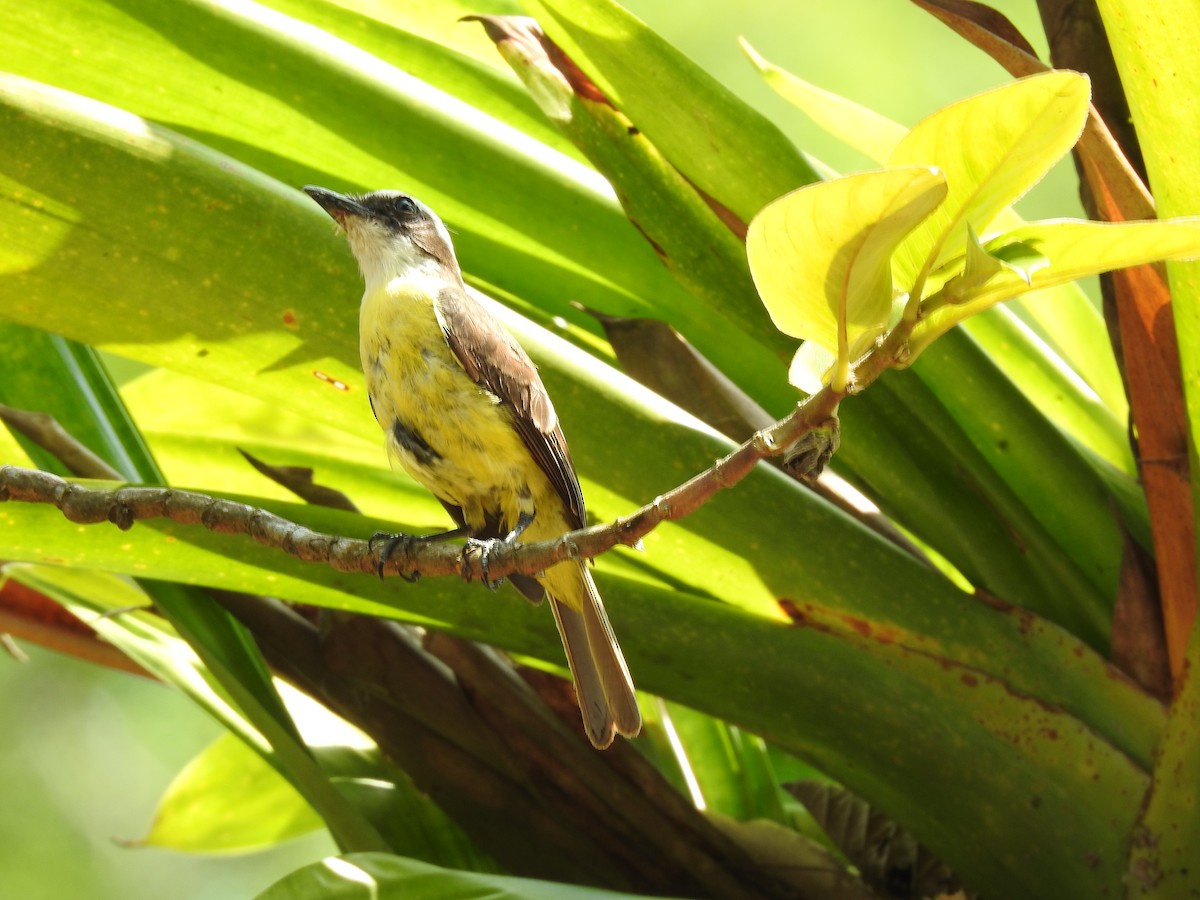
(493, 358)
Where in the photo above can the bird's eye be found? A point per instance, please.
(404, 206)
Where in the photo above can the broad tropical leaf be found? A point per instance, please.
(992, 147)
(821, 256)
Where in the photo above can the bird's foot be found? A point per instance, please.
(484, 546)
(399, 539)
(390, 542)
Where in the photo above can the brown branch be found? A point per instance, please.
(125, 505)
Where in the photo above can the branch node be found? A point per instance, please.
(166, 498)
(718, 471)
(120, 514)
(64, 498)
(211, 514)
(765, 443)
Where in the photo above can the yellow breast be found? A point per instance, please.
(447, 432)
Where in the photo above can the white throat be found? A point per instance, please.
(385, 258)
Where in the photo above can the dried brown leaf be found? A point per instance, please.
(299, 480)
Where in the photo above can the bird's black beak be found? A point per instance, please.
(339, 206)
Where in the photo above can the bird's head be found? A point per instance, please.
(391, 234)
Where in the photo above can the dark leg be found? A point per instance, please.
(485, 546)
(524, 520)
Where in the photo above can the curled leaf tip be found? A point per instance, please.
(547, 71)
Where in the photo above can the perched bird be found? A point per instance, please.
(465, 413)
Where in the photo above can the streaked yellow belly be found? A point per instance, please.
(476, 460)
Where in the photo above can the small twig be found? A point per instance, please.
(45, 431)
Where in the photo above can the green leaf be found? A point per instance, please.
(999, 542)
(723, 146)
(377, 876)
(1056, 390)
(216, 637)
(46, 373)
(229, 800)
(198, 443)
(992, 148)
(1162, 856)
(96, 598)
(229, 659)
(99, 414)
(429, 42)
(1071, 249)
(1152, 47)
(410, 820)
(1035, 460)
(1022, 258)
(1065, 318)
(978, 266)
(698, 245)
(725, 769)
(981, 264)
(865, 130)
(821, 256)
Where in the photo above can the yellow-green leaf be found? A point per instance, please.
(228, 799)
(992, 147)
(1072, 249)
(1068, 321)
(872, 134)
(820, 255)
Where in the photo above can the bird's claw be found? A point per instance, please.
(390, 543)
(485, 547)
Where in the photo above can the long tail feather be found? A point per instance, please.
(602, 683)
(609, 662)
(589, 690)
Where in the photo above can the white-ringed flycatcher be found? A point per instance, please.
(465, 414)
